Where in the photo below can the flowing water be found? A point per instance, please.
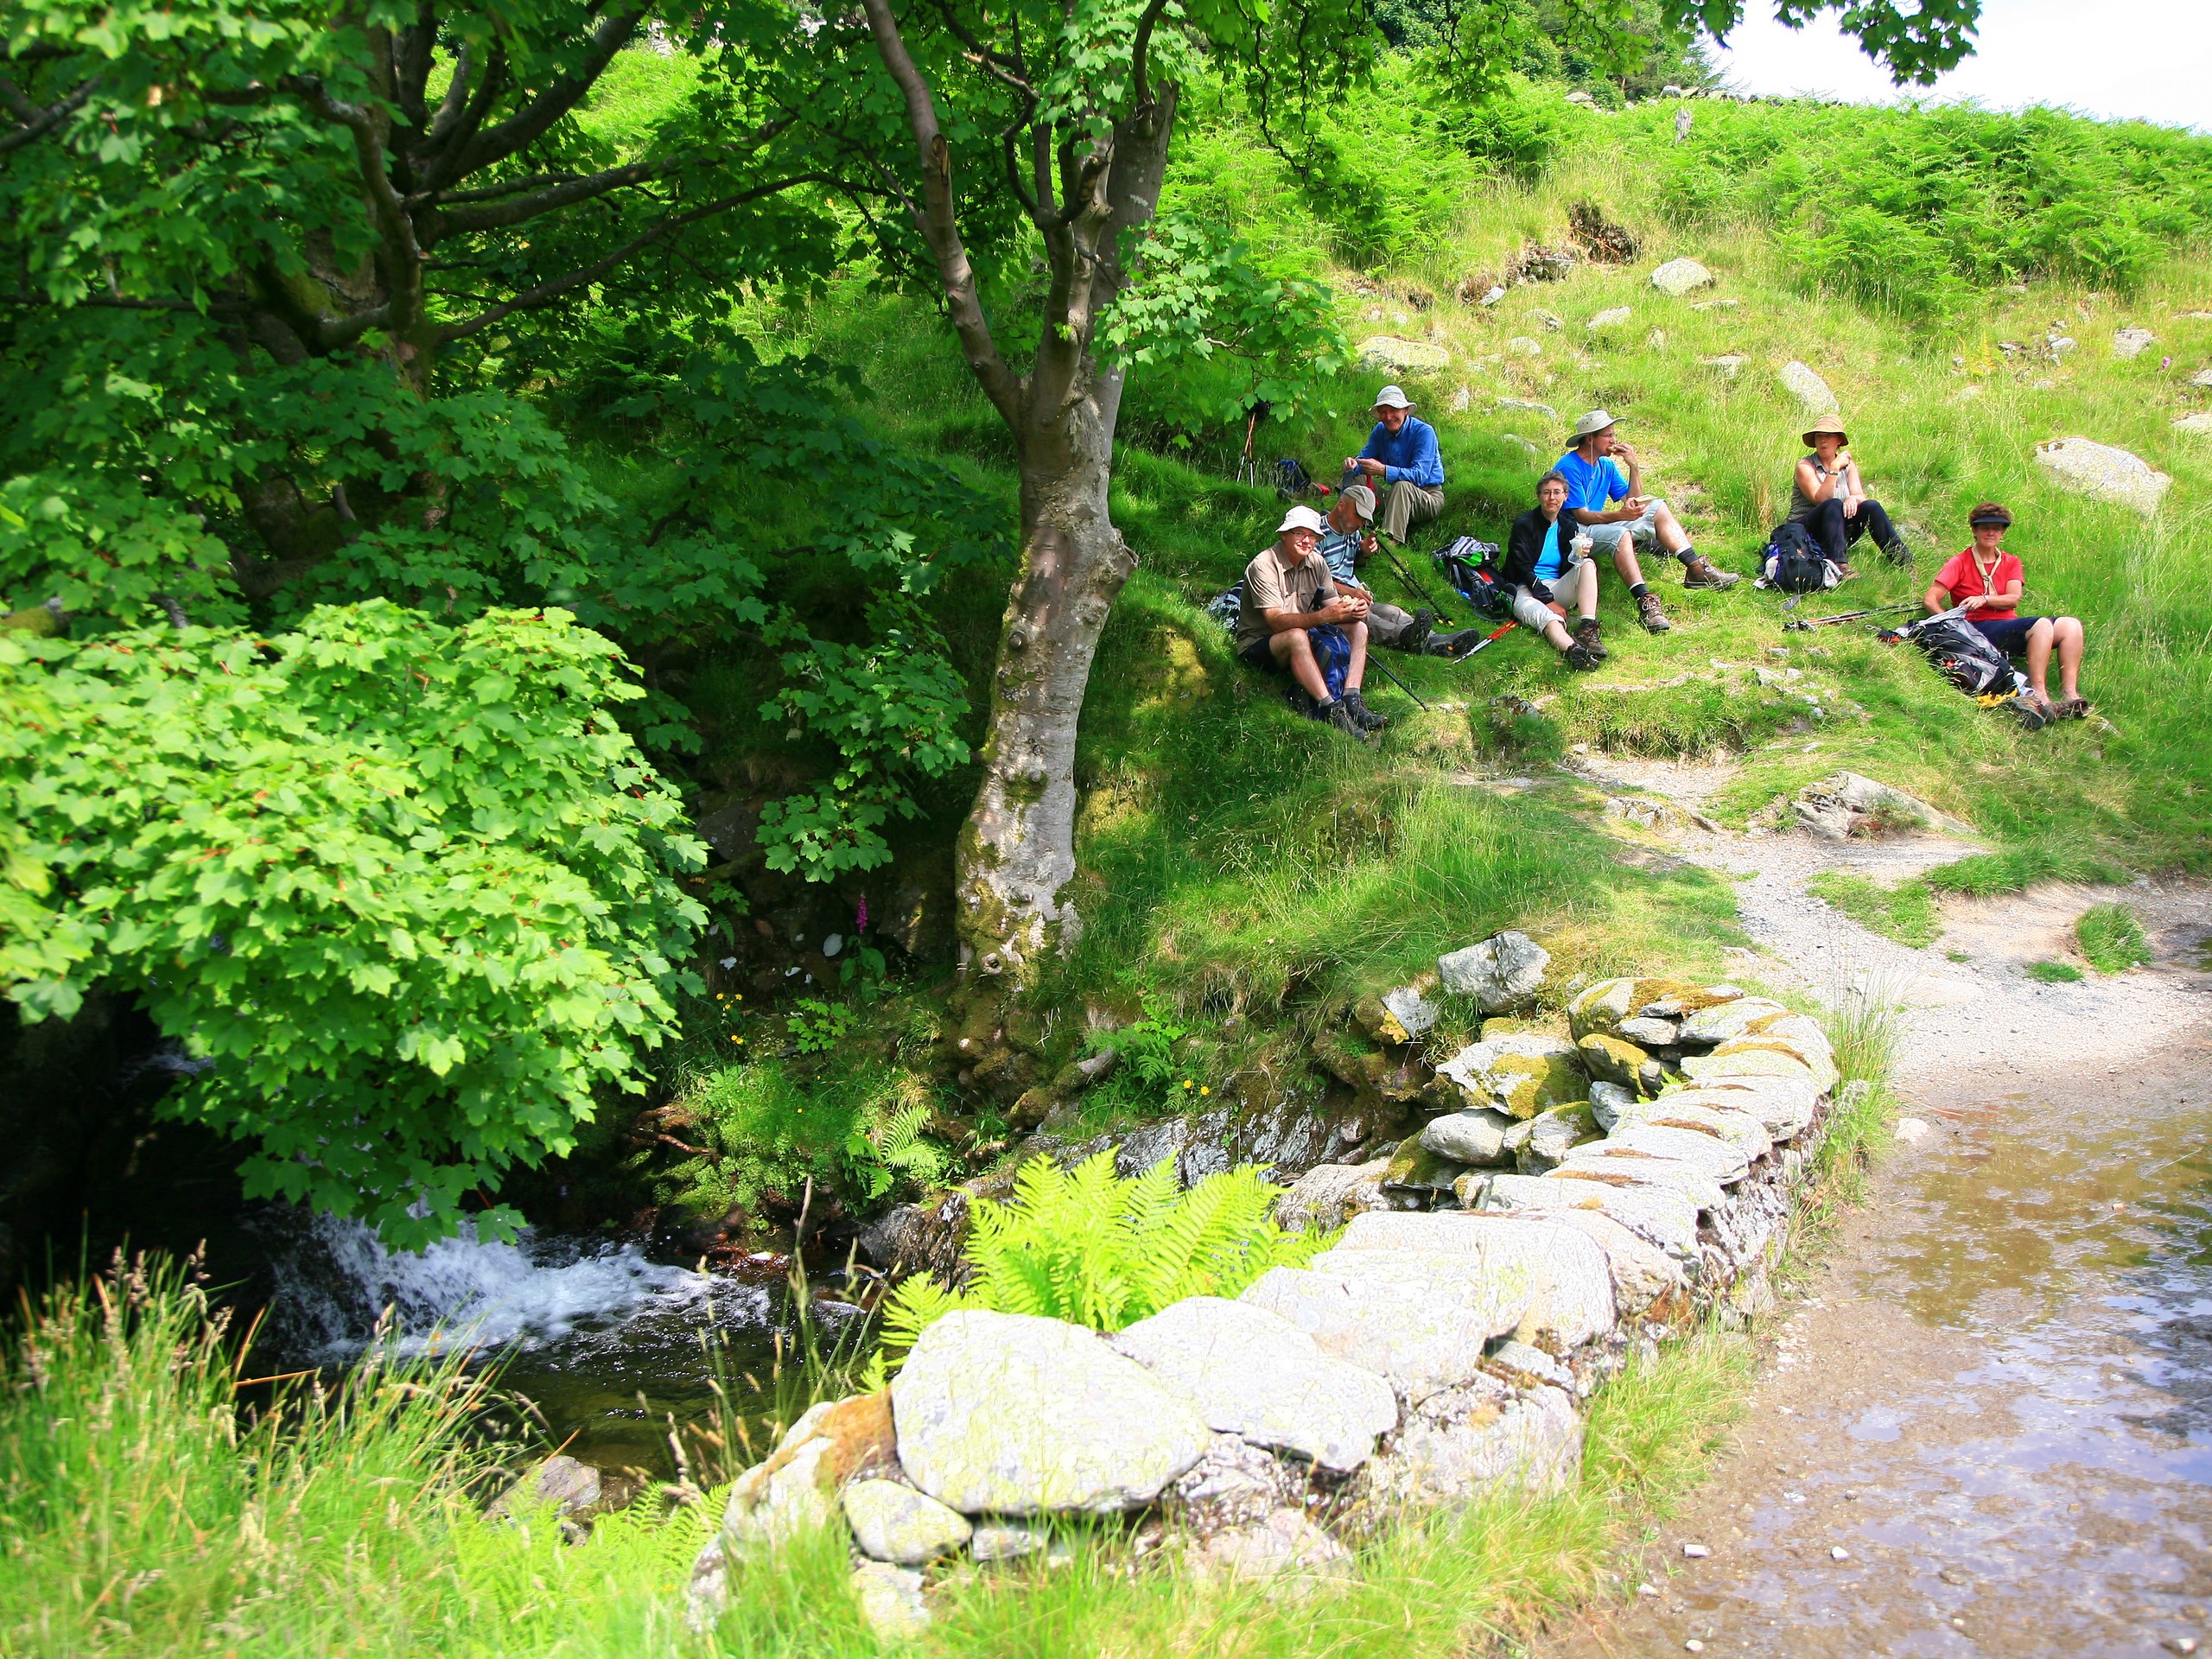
(1988, 1428)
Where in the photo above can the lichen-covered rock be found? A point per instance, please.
(2132, 342)
(1811, 391)
(1752, 1059)
(1006, 1413)
(1642, 1273)
(1784, 1106)
(891, 1601)
(561, 1483)
(1815, 1056)
(1472, 1440)
(795, 1487)
(1615, 317)
(1663, 1217)
(1502, 972)
(1724, 1020)
(1414, 1168)
(1605, 1007)
(1555, 1134)
(1647, 1032)
(1322, 1197)
(1519, 1076)
(1610, 1104)
(1256, 1375)
(1680, 276)
(1740, 1129)
(1572, 1302)
(1606, 1162)
(2105, 473)
(1390, 354)
(1419, 1318)
(1286, 1545)
(894, 1522)
(1708, 1154)
(1476, 1136)
(1006, 1540)
(1618, 1061)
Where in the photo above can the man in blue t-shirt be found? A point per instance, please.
(1401, 462)
(1594, 482)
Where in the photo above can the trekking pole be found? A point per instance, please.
(1351, 475)
(1807, 624)
(1486, 639)
(1375, 662)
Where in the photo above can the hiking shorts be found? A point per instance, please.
(1534, 615)
(1603, 538)
(1261, 655)
(2009, 634)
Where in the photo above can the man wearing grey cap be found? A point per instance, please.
(1348, 536)
(1401, 465)
(1287, 590)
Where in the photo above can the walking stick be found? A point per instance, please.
(1807, 624)
(1373, 661)
(1486, 639)
(1350, 476)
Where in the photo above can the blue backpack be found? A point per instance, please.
(1331, 655)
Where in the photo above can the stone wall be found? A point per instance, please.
(1570, 1197)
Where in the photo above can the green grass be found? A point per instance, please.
(1905, 912)
(2054, 973)
(2111, 938)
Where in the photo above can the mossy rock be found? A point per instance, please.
(1519, 1075)
(1414, 1168)
(1603, 1007)
(1616, 1060)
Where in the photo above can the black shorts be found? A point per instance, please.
(2008, 633)
(1261, 655)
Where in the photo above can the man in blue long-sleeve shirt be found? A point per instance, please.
(1402, 461)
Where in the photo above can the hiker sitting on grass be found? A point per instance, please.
(1287, 589)
(1342, 543)
(1988, 582)
(1594, 483)
(1548, 572)
(1401, 462)
(1829, 498)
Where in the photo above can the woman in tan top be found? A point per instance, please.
(1829, 498)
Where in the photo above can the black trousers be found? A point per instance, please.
(1837, 535)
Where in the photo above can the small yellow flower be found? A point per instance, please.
(1207, 1090)
(1186, 1083)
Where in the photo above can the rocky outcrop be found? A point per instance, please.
(1811, 391)
(1504, 971)
(2104, 472)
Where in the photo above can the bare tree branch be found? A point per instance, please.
(556, 101)
(35, 127)
(938, 222)
(556, 193)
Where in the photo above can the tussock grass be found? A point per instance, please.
(1904, 911)
(2111, 938)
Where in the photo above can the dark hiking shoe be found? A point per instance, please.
(1453, 645)
(1369, 721)
(1417, 631)
(1339, 715)
(1703, 572)
(1586, 636)
(1579, 659)
(1654, 619)
(1898, 554)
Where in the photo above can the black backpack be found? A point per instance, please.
(1293, 482)
(1467, 565)
(1960, 654)
(1794, 562)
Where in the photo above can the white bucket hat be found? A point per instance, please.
(1362, 499)
(1302, 518)
(1393, 398)
(1596, 421)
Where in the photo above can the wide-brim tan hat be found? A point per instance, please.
(1393, 398)
(1302, 518)
(1824, 429)
(1596, 421)
(1362, 499)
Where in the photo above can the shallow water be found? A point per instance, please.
(1998, 1405)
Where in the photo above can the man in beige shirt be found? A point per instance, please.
(1287, 589)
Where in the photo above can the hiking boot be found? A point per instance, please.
(1579, 659)
(1586, 635)
(1898, 554)
(1417, 631)
(1368, 719)
(1453, 645)
(1703, 572)
(1654, 619)
(1339, 715)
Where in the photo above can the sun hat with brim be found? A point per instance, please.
(1823, 430)
(1393, 398)
(1989, 513)
(1362, 499)
(1596, 421)
(1302, 519)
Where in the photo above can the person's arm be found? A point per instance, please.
(1524, 545)
(1336, 609)
(1816, 488)
(1427, 469)
(1368, 461)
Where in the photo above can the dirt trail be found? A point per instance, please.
(1985, 1426)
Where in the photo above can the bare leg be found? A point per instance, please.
(1625, 561)
(2067, 633)
(1292, 646)
(1556, 636)
(1585, 599)
(1672, 537)
(1356, 675)
(2039, 659)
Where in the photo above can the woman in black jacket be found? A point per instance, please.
(1546, 573)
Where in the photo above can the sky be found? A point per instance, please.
(2148, 60)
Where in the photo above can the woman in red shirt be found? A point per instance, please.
(1988, 580)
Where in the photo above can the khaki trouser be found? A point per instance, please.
(1404, 506)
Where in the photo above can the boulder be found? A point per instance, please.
(1519, 1075)
(1740, 1129)
(1256, 1375)
(1680, 276)
(1470, 1137)
(1607, 1163)
(568, 1487)
(1815, 1056)
(1287, 1544)
(1609, 1104)
(891, 1601)
(1784, 1106)
(1545, 410)
(1738, 1060)
(1524, 345)
(1604, 1007)
(1572, 1302)
(1811, 391)
(1555, 1134)
(1502, 972)
(1656, 1215)
(1419, 1318)
(2200, 421)
(2132, 342)
(1388, 352)
(1728, 365)
(1728, 1019)
(1007, 1414)
(1613, 318)
(894, 1523)
(795, 1487)
(1415, 1169)
(1708, 1154)
(2104, 472)
(1647, 1032)
(1618, 1061)
(1640, 1272)
(1416, 1013)
(1321, 1198)
(1468, 1444)
(1006, 1540)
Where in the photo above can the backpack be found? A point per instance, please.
(1333, 655)
(1960, 654)
(1467, 565)
(1224, 605)
(1795, 564)
(1293, 482)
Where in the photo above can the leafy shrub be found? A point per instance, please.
(1885, 263)
(2111, 936)
(1147, 1047)
(1517, 132)
(1905, 912)
(818, 1027)
(1098, 1249)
